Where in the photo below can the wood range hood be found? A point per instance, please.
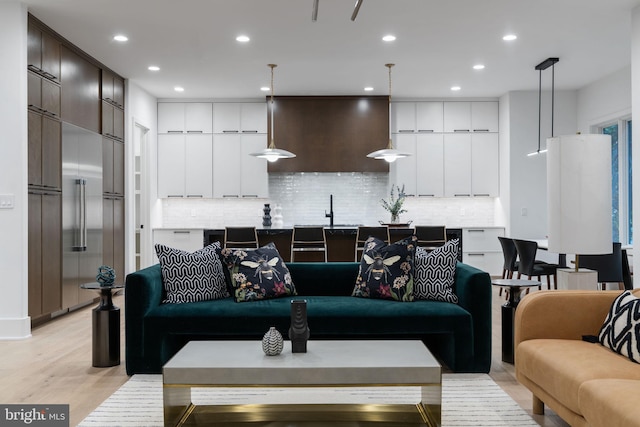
(330, 133)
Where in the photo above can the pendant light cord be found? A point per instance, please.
(390, 145)
(539, 109)
(272, 143)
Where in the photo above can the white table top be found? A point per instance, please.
(243, 363)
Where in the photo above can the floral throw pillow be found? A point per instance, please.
(258, 274)
(386, 271)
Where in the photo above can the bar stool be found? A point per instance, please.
(308, 239)
(431, 237)
(363, 233)
(240, 238)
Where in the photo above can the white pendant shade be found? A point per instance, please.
(273, 154)
(579, 194)
(388, 154)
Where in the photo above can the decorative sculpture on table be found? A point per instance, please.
(272, 342)
(266, 218)
(299, 329)
(106, 275)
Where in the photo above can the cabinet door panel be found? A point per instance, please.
(34, 91)
(34, 47)
(457, 165)
(226, 117)
(253, 118)
(457, 116)
(429, 116)
(35, 254)
(226, 166)
(51, 153)
(106, 91)
(50, 98)
(430, 165)
(171, 163)
(118, 168)
(35, 148)
(198, 168)
(118, 91)
(118, 124)
(118, 239)
(254, 177)
(484, 116)
(405, 169)
(170, 117)
(107, 165)
(51, 252)
(50, 57)
(485, 165)
(107, 118)
(107, 232)
(198, 117)
(403, 117)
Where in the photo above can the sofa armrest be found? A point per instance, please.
(473, 288)
(561, 314)
(143, 292)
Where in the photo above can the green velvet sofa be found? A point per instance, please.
(459, 335)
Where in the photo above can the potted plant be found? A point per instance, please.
(394, 205)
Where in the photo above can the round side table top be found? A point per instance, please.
(95, 286)
(515, 283)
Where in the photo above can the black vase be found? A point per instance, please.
(266, 218)
(299, 329)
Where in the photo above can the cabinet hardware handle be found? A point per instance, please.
(249, 131)
(174, 131)
(475, 230)
(461, 130)
(481, 130)
(405, 130)
(426, 130)
(230, 195)
(475, 254)
(426, 195)
(34, 68)
(461, 195)
(174, 195)
(229, 131)
(482, 195)
(249, 196)
(195, 195)
(194, 131)
(181, 232)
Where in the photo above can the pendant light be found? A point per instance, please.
(549, 62)
(271, 153)
(389, 154)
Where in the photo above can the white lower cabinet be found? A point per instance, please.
(236, 174)
(185, 165)
(189, 240)
(481, 248)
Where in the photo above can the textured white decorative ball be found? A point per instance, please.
(272, 342)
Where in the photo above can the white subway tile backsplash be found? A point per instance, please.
(304, 198)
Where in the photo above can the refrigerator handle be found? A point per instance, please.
(82, 232)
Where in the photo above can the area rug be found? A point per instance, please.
(467, 400)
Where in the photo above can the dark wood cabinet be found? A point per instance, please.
(43, 95)
(112, 121)
(45, 151)
(44, 253)
(112, 167)
(80, 95)
(43, 53)
(113, 234)
(112, 89)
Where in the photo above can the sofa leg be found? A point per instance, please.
(538, 406)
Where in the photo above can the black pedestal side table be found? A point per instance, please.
(514, 288)
(106, 326)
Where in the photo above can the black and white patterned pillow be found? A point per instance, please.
(435, 273)
(191, 277)
(621, 329)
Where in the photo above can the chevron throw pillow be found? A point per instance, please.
(621, 329)
(435, 273)
(191, 277)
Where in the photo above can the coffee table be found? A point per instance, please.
(365, 363)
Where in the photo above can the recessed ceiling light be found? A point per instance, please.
(243, 39)
(389, 38)
(455, 88)
(120, 38)
(478, 67)
(509, 37)
(178, 89)
(265, 88)
(153, 68)
(368, 89)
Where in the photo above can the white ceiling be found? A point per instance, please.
(438, 42)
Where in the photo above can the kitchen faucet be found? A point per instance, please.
(330, 214)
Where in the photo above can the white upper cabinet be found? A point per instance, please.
(236, 174)
(403, 170)
(484, 165)
(236, 117)
(403, 117)
(457, 165)
(430, 165)
(429, 116)
(457, 116)
(199, 166)
(484, 116)
(185, 117)
(171, 166)
(254, 181)
(185, 166)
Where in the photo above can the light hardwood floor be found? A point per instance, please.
(54, 366)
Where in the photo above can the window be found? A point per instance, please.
(621, 186)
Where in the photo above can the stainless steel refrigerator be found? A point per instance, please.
(81, 212)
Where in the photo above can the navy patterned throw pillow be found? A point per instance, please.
(386, 271)
(435, 273)
(191, 277)
(621, 329)
(258, 274)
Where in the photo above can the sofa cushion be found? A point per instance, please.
(621, 329)
(258, 274)
(435, 272)
(560, 366)
(386, 271)
(610, 402)
(190, 277)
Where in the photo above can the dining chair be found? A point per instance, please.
(431, 237)
(530, 267)
(363, 233)
(608, 266)
(241, 238)
(308, 239)
(510, 256)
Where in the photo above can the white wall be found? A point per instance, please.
(604, 100)
(14, 319)
(528, 174)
